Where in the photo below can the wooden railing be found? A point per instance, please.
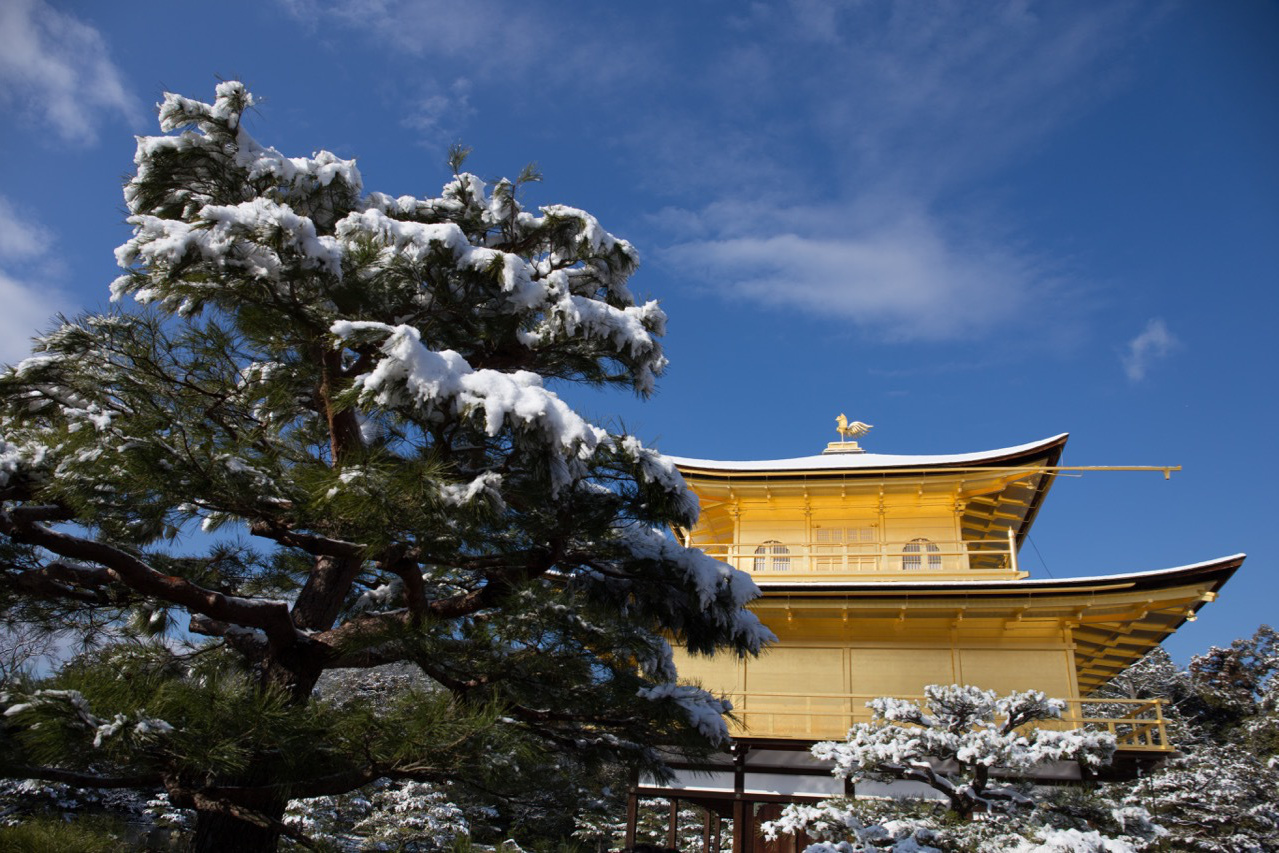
(903, 558)
(1137, 724)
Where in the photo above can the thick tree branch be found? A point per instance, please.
(410, 573)
(320, 600)
(251, 644)
(50, 582)
(272, 617)
(319, 546)
(344, 428)
(34, 513)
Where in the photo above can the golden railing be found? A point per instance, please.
(1137, 724)
(906, 557)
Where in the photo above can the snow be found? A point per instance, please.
(232, 98)
(659, 469)
(855, 461)
(75, 702)
(411, 374)
(1052, 840)
(569, 315)
(250, 238)
(109, 729)
(704, 711)
(711, 580)
(487, 484)
(16, 457)
(905, 741)
(415, 242)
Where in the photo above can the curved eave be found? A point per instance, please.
(1216, 571)
(1114, 621)
(855, 464)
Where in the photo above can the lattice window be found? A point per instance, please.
(913, 555)
(772, 562)
(841, 549)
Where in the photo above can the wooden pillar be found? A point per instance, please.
(717, 829)
(632, 818)
(706, 832)
(743, 826)
(672, 824)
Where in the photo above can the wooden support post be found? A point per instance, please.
(672, 824)
(632, 818)
(717, 830)
(706, 832)
(740, 808)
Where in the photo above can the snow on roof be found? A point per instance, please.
(856, 461)
(1037, 583)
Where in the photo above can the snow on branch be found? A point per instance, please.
(18, 459)
(70, 707)
(960, 726)
(411, 374)
(705, 711)
(722, 591)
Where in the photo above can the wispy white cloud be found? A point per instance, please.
(58, 70)
(484, 34)
(518, 48)
(439, 112)
(900, 276)
(928, 94)
(20, 237)
(913, 104)
(1154, 344)
(28, 299)
(27, 309)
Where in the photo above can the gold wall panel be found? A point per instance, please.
(1005, 670)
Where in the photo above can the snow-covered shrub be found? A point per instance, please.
(1219, 798)
(970, 745)
(407, 816)
(987, 740)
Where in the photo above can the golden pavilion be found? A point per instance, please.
(884, 573)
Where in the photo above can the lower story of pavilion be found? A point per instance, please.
(756, 779)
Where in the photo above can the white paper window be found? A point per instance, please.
(913, 555)
(771, 561)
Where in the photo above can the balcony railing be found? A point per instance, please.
(903, 558)
(1137, 724)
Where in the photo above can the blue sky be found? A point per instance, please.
(971, 225)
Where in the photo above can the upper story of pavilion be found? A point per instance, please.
(850, 515)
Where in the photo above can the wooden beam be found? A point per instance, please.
(672, 824)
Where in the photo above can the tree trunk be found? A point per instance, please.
(219, 832)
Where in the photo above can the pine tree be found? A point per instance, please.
(971, 731)
(349, 391)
